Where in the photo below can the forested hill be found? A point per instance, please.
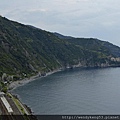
(26, 50)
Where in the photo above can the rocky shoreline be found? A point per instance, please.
(15, 84)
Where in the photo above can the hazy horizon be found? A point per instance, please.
(78, 18)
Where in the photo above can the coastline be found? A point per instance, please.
(13, 85)
(16, 84)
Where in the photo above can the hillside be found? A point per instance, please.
(92, 44)
(26, 51)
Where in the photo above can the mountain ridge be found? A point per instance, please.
(26, 51)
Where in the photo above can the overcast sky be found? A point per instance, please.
(79, 18)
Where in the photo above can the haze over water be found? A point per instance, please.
(74, 91)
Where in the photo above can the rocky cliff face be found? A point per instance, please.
(26, 51)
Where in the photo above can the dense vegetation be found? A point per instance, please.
(26, 50)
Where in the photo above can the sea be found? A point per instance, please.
(79, 91)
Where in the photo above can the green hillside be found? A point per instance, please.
(26, 51)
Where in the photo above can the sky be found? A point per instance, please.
(78, 18)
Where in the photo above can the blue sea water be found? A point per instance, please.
(74, 91)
